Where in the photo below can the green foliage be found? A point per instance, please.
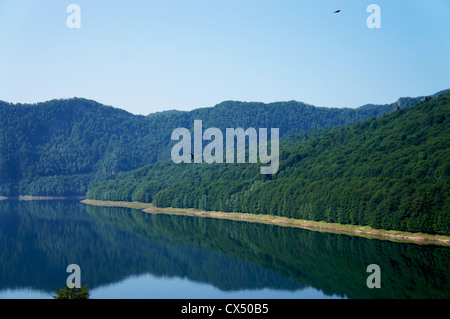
(390, 173)
(72, 293)
(64, 147)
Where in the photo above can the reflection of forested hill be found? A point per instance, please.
(335, 264)
(39, 239)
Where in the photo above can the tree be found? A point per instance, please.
(72, 293)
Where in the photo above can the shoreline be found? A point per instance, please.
(30, 198)
(361, 231)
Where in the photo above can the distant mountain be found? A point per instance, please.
(392, 173)
(401, 102)
(64, 147)
(165, 113)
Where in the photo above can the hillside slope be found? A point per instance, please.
(391, 173)
(63, 147)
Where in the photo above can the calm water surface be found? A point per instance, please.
(125, 253)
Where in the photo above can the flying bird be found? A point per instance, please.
(337, 11)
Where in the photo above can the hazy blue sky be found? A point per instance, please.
(148, 56)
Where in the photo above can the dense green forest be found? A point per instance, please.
(64, 147)
(391, 172)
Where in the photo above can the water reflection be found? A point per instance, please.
(39, 239)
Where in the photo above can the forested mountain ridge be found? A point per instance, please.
(63, 147)
(392, 173)
(58, 147)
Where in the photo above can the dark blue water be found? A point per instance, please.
(125, 253)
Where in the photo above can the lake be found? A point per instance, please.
(126, 253)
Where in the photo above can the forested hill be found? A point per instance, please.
(63, 147)
(392, 173)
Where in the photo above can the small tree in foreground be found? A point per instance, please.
(72, 293)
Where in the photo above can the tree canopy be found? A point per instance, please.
(391, 172)
(64, 147)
